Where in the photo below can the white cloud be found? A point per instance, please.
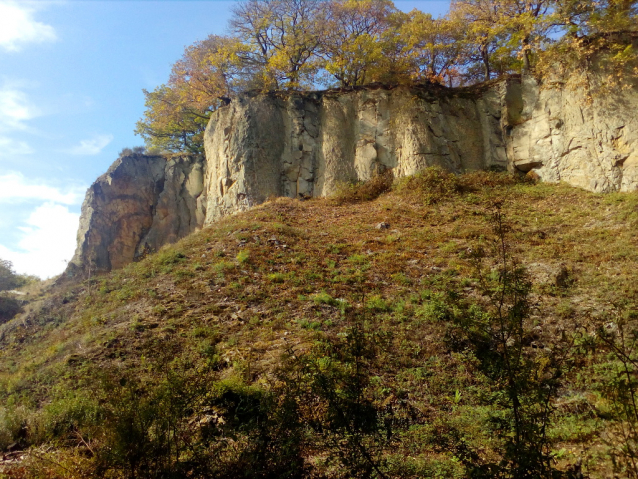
(47, 243)
(10, 147)
(15, 188)
(92, 146)
(18, 27)
(15, 107)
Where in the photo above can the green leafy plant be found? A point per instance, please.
(347, 421)
(620, 387)
(524, 381)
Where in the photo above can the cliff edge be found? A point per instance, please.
(306, 144)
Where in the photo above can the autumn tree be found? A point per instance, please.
(434, 47)
(484, 31)
(354, 41)
(528, 23)
(502, 28)
(598, 35)
(204, 78)
(296, 44)
(592, 18)
(8, 277)
(281, 39)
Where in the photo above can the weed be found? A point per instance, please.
(377, 303)
(358, 259)
(276, 277)
(243, 256)
(324, 298)
(169, 256)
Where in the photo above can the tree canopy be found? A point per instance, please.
(307, 44)
(8, 278)
(177, 112)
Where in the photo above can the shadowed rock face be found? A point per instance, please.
(307, 143)
(141, 203)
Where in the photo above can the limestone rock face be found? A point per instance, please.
(141, 203)
(292, 144)
(563, 135)
(307, 143)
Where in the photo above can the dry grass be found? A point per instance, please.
(277, 277)
(364, 191)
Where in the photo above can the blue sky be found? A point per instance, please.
(71, 80)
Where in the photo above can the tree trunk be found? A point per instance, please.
(526, 62)
(485, 57)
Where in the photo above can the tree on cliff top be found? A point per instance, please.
(300, 44)
(598, 34)
(434, 47)
(177, 113)
(280, 40)
(355, 39)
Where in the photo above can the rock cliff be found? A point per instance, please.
(564, 134)
(305, 144)
(141, 203)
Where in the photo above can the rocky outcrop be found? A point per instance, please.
(305, 144)
(563, 133)
(141, 203)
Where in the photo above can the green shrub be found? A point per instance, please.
(347, 423)
(325, 298)
(13, 421)
(276, 277)
(179, 424)
(9, 307)
(523, 382)
(377, 303)
(169, 256)
(72, 411)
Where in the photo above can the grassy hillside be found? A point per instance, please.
(451, 327)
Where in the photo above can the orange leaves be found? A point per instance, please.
(177, 112)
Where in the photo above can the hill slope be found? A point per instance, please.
(342, 337)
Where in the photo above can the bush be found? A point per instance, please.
(432, 185)
(12, 426)
(136, 150)
(8, 277)
(349, 422)
(364, 191)
(187, 422)
(620, 388)
(524, 382)
(9, 307)
(481, 179)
